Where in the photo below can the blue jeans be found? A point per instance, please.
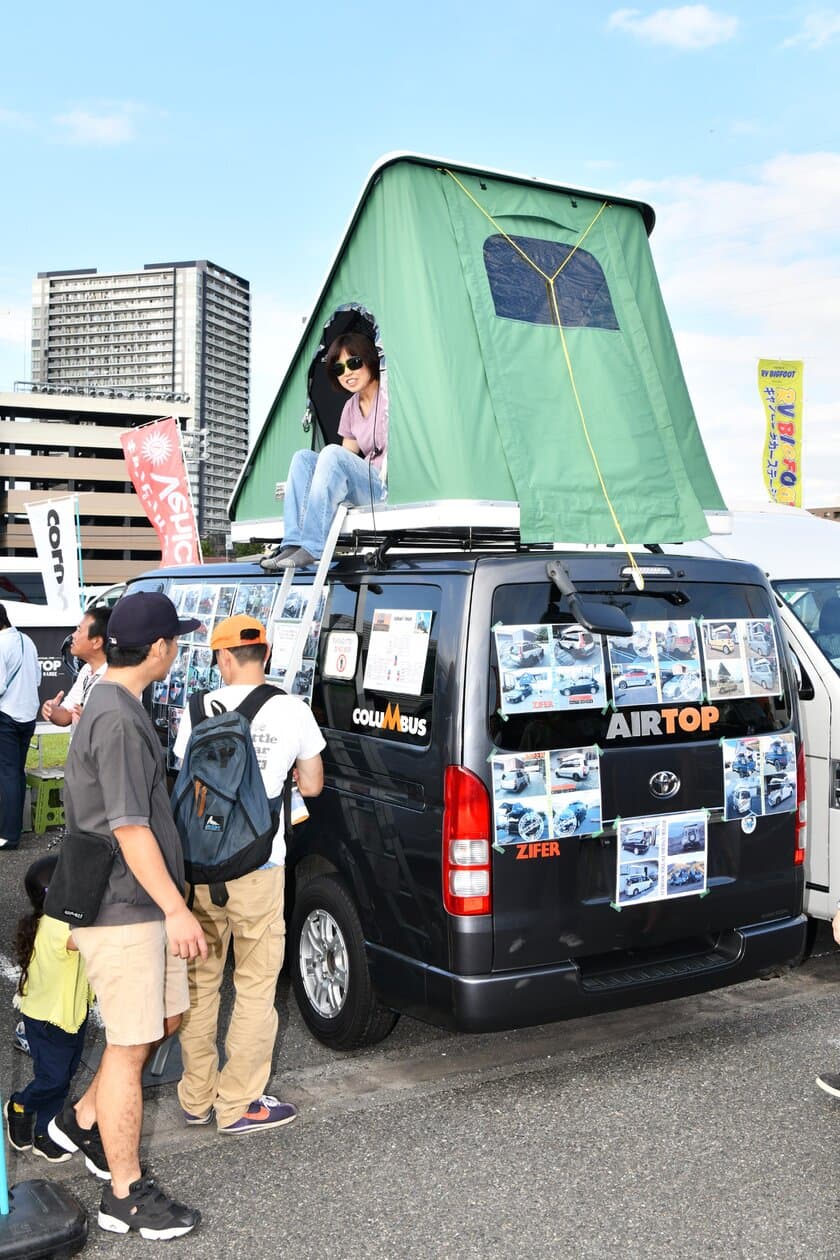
(316, 485)
(15, 738)
(55, 1059)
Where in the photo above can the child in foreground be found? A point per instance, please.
(54, 998)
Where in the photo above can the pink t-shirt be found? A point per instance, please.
(370, 431)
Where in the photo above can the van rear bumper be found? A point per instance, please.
(492, 1003)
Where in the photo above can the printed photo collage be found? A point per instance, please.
(661, 857)
(759, 776)
(547, 795)
(657, 664)
(282, 632)
(549, 667)
(193, 668)
(742, 659)
(557, 667)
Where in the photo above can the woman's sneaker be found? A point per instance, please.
(20, 1126)
(265, 1113)
(65, 1130)
(20, 1041)
(147, 1211)
(43, 1145)
(830, 1082)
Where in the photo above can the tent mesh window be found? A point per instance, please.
(519, 292)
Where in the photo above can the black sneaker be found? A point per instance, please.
(830, 1082)
(43, 1145)
(65, 1130)
(20, 1127)
(147, 1211)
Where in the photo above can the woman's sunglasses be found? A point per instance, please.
(352, 364)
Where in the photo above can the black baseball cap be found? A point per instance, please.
(144, 618)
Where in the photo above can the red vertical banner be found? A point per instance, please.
(156, 466)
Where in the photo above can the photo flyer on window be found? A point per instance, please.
(549, 667)
(759, 776)
(397, 650)
(658, 664)
(193, 669)
(282, 633)
(661, 857)
(549, 795)
(742, 658)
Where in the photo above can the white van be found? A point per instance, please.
(24, 597)
(800, 554)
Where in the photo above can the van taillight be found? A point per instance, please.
(466, 843)
(801, 808)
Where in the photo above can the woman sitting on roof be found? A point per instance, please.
(318, 483)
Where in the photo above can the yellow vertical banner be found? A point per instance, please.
(780, 387)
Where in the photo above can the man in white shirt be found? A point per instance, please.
(285, 735)
(20, 676)
(87, 645)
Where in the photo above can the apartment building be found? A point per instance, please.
(176, 331)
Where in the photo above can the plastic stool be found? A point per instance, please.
(48, 806)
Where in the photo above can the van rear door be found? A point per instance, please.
(653, 752)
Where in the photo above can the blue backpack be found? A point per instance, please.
(225, 819)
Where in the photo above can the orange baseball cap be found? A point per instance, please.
(241, 631)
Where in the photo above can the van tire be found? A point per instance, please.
(359, 1020)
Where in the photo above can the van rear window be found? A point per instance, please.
(553, 685)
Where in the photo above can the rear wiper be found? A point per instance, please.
(595, 617)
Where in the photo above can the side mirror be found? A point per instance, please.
(804, 686)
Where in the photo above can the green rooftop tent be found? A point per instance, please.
(529, 359)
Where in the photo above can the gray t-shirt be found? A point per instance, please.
(115, 777)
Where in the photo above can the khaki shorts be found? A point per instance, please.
(137, 981)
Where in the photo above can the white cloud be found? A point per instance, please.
(817, 29)
(751, 269)
(110, 126)
(689, 27)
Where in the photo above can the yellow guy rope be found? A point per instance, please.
(549, 280)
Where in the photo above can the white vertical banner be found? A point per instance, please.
(53, 524)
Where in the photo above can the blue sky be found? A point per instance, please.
(244, 134)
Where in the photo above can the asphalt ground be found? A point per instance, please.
(686, 1129)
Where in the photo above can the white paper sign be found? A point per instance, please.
(552, 795)
(397, 651)
(661, 857)
(341, 653)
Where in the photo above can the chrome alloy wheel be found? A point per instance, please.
(323, 963)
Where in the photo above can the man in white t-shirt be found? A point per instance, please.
(87, 644)
(285, 735)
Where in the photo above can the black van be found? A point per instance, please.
(449, 870)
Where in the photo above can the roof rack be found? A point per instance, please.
(471, 524)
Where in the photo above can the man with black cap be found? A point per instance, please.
(115, 784)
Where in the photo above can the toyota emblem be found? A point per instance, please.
(664, 784)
